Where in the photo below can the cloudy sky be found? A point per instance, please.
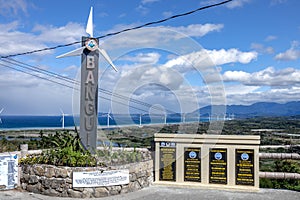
(242, 52)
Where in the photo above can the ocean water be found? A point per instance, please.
(43, 122)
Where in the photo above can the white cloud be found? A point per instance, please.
(231, 5)
(26, 94)
(266, 77)
(276, 2)
(261, 48)
(71, 68)
(239, 76)
(237, 3)
(13, 7)
(197, 30)
(148, 82)
(64, 34)
(167, 14)
(159, 36)
(239, 89)
(291, 54)
(142, 9)
(270, 38)
(144, 58)
(149, 1)
(220, 57)
(271, 95)
(206, 58)
(16, 41)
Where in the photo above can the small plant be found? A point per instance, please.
(66, 150)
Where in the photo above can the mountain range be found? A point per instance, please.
(260, 109)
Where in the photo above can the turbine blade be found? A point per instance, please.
(105, 55)
(76, 52)
(1, 110)
(89, 26)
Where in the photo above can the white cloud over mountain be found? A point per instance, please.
(265, 77)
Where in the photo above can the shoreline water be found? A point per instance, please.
(69, 122)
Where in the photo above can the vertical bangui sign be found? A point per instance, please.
(244, 162)
(218, 166)
(89, 93)
(167, 163)
(192, 164)
(89, 85)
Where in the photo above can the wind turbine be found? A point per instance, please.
(0, 113)
(90, 44)
(141, 120)
(62, 119)
(183, 117)
(108, 117)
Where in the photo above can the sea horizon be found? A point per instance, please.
(34, 122)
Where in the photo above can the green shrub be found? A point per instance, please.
(289, 166)
(66, 150)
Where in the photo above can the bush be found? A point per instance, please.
(289, 166)
(67, 150)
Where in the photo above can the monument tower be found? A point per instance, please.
(89, 85)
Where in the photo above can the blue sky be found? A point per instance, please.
(243, 52)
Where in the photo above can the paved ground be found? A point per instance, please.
(170, 193)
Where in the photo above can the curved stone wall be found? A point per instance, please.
(57, 180)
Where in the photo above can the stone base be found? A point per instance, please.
(57, 181)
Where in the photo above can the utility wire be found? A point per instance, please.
(65, 85)
(35, 75)
(73, 81)
(122, 31)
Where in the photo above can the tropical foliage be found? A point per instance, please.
(65, 149)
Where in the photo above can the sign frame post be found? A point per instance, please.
(89, 94)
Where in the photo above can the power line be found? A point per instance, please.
(122, 31)
(35, 75)
(73, 81)
(65, 85)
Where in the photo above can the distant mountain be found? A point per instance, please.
(261, 109)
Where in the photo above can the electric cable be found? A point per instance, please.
(122, 31)
(72, 81)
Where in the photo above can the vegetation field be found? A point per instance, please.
(280, 132)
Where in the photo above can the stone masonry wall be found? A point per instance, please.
(57, 181)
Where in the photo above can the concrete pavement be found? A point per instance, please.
(157, 192)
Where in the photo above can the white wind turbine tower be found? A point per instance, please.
(62, 119)
(141, 120)
(0, 113)
(108, 117)
(183, 117)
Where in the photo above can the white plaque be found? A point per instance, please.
(98, 178)
(8, 171)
